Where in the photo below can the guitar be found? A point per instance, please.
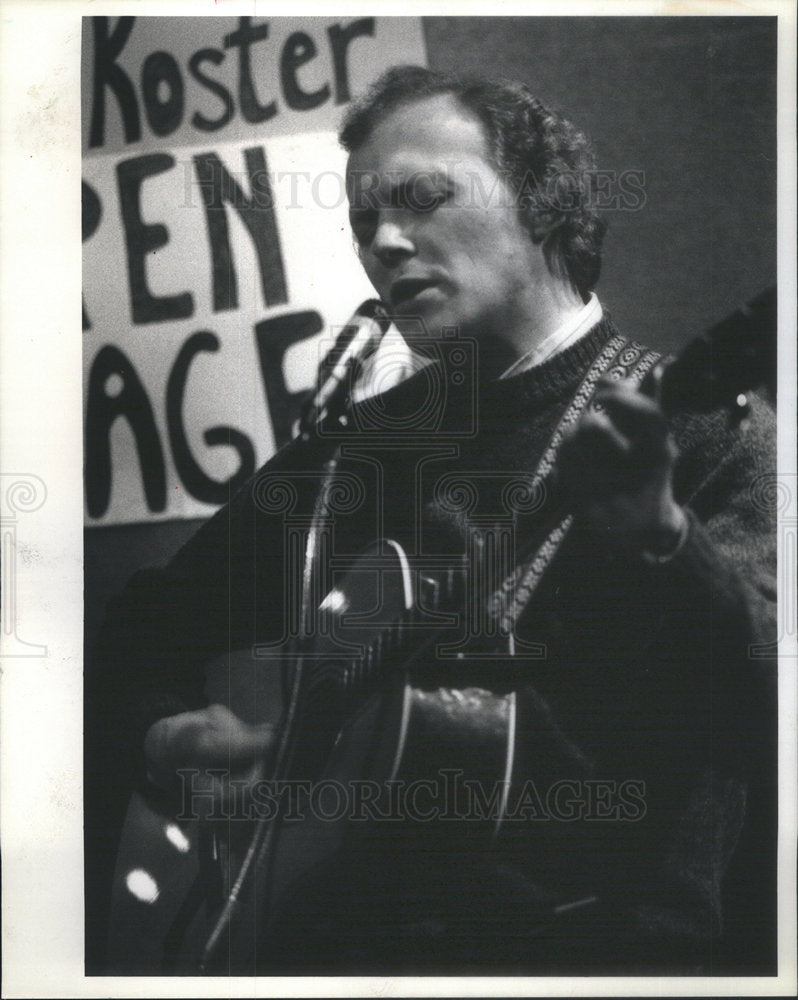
(370, 731)
(359, 708)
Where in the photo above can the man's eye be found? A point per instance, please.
(431, 200)
(422, 198)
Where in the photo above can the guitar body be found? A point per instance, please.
(381, 754)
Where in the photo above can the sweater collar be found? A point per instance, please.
(563, 337)
(558, 376)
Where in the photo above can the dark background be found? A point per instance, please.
(690, 102)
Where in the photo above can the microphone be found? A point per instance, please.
(343, 363)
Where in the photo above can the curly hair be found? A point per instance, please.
(543, 157)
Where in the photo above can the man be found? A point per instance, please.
(638, 578)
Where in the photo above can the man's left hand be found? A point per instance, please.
(615, 470)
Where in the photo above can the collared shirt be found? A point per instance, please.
(394, 361)
(565, 335)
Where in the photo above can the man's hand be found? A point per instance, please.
(615, 470)
(211, 739)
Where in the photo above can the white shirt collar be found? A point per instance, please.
(564, 336)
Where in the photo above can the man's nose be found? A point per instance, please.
(392, 243)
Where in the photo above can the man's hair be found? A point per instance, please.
(545, 160)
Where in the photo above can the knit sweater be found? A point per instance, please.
(645, 696)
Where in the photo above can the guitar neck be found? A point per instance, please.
(733, 357)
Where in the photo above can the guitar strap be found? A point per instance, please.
(620, 359)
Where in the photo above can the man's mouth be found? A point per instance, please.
(405, 289)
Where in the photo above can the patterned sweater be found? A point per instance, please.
(645, 715)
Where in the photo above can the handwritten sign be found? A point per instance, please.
(217, 254)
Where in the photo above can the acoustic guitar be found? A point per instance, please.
(361, 715)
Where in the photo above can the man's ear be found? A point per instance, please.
(542, 223)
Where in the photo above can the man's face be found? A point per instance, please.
(438, 232)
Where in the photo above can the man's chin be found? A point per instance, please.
(422, 327)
